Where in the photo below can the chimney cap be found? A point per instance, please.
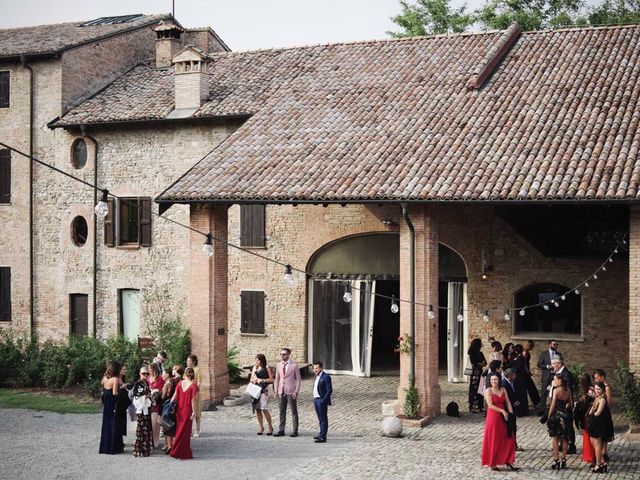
(190, 53)
(168, 25)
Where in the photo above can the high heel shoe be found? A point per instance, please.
(512, 468)
(599, 468)
(563, 464)
(555, 465)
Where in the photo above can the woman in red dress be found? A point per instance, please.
(498, 448)
(184, 397)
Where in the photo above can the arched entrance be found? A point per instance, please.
(352, 330)
(453, 322)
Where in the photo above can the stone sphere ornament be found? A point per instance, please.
(391, 427)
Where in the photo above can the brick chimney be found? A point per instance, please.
(168, 43)
(191, 78)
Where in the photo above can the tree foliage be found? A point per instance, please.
(427, 17)
(424, 17)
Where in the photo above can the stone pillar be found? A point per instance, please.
(634, 289)
(426, 292)
(208, 302)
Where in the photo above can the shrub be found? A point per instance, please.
(576, 371)
(411, 404)
(30, 371)
(10, 357)
(55, 368)
(126, 352)
(630, 387)
(233, 366)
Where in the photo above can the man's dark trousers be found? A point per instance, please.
(283, 412)
(323, 418)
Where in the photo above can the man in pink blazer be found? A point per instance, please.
(287, 387)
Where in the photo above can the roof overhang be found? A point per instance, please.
(168, 119)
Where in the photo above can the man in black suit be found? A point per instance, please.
(508, 383)
(322, 391)
(544, 364)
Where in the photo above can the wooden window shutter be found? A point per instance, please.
(5, 176)
(5, 294)
(252, 225)
(251, 312)
(5, 89)
(144, 221)
(109, 224)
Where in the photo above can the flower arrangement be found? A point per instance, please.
(404, 344)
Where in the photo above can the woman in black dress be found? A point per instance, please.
(507, 356)
(478, 362)
(122, 403)
(559, 422)
(110, 437)
(261, 375)
(600, 426)
(532, 388)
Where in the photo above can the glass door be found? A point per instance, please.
(130, 314)
(342, 332)
(456, 331)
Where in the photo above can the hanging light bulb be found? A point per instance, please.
(460, 317)
(522, 312)
(102, 207)
(545, 306)
(288, 275)
(576, 291)
(610, 260)
(563, 297)
(616, 250)
(207, 248)
(556, 304)
(624, 241)
(586, 284)
(604, 269)
(507, 317)
(347, 294)
(595, 276)
(485, 317)
(430, 313)
(394, 305)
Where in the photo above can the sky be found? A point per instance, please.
(242, 24)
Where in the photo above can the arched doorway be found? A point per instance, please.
(352, 330)
(453, 320)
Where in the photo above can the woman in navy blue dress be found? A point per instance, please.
(111, 438)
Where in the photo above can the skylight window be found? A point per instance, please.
(111, 20)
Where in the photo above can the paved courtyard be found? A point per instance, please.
(45, 445)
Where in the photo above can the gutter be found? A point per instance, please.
(53, 123)
(23, 61)
(95, 231)
(412, 296)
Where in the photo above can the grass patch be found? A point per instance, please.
(42, 402)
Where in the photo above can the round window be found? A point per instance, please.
(79, 231)
(79, 153)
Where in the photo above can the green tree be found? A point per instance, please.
(615, 12)
(530, 14)
(426, 17)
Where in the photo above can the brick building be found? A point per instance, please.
(514, 155)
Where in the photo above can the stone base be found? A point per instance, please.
(633, 434)
(235, 399)
(419, 422)
(389, 408)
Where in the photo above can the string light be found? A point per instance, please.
(556, 304)
(347, 294)
(394, 305)
(207, 248)
(563, 297)
(102, 207)
(507, 317)
(430, 314)
(288, 275)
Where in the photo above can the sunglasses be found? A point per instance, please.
(144, 373)
(284, 354)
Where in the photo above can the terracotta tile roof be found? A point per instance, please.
(394, 120)
(55, 38)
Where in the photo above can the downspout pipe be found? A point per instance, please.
(412, 295)
(32, 323)
(83, 129)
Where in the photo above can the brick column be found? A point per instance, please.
(208, 302)
(426, 292)
(634, 289)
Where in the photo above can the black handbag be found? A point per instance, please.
(168, 424)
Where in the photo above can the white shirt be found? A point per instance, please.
(316, 394)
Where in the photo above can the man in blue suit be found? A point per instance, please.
(322, 391)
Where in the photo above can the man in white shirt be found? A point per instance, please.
(322, 391)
